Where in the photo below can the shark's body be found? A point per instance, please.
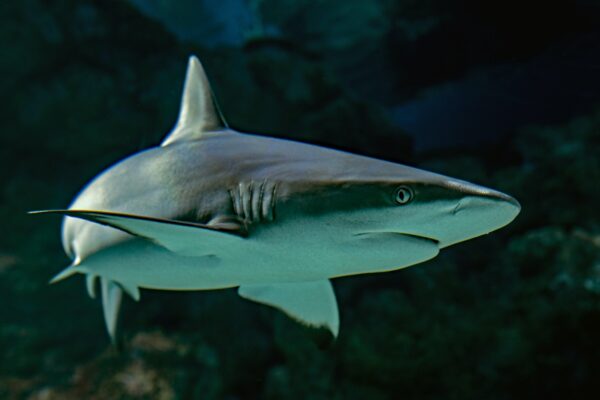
(213, 208)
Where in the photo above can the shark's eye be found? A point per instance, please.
(403, 195)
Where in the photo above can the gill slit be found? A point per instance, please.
(253, 202)
(272, 203)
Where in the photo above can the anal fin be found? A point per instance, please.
(90, 284)
(312, 303)
(111, 303)
(131, 290)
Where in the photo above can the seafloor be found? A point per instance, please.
(513, 315)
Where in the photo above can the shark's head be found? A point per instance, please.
(374, 196)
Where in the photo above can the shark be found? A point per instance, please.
(213, 208)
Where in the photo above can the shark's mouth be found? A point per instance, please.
(411, 235)
(437, 242)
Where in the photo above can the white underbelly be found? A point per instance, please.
(258, 260)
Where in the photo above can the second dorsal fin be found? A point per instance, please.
(199, 112)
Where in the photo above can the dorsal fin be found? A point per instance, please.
(199, 112)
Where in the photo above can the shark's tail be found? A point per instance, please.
(65, 273)
(112, 294)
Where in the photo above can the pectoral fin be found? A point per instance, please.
(312, 303)
(185, 238)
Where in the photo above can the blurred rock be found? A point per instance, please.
(7, 261)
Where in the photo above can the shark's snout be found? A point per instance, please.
(475, 211)
(491, 198)
(468, 189)
(478, 214)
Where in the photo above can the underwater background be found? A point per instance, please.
(501, 93)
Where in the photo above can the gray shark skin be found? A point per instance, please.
(212, 208)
